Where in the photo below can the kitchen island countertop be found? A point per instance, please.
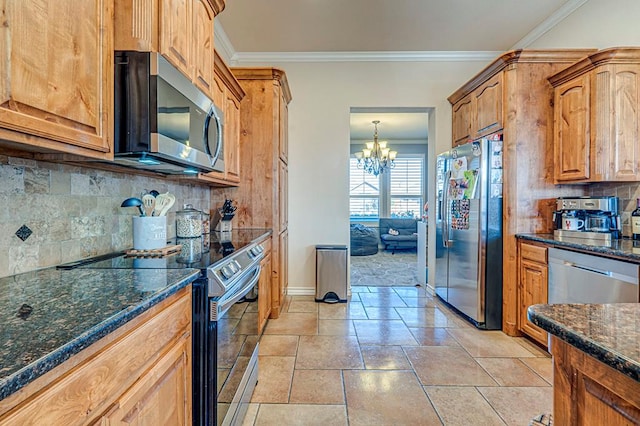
(48, 315)
(607, 332)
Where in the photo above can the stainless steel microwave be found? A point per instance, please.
(163, 122)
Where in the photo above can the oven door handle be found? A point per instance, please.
(223, 305)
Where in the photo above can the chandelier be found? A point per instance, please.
(376, 157)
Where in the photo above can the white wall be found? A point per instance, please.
(319, 139)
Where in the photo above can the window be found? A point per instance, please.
(364, 193)
(406, 187)
(395, 194)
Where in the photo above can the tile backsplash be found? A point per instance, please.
(73, 212)
(628, 193)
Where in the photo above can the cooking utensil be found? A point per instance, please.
(163, 203)
(133, 202)
(154, 193)
(148, 203)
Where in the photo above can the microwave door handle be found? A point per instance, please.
(218, 124)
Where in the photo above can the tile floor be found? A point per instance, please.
(394, 356)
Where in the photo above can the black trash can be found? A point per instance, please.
(331, 273)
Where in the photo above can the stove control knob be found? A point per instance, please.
(226, 271)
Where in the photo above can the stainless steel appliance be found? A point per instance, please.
(582, 278)
(588, 220)
(225, 324)
(163, 122)
(469, 230)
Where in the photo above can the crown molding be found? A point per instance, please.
(408, 56)
(222, 43)
(554, 19)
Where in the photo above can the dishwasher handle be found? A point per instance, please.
(589, 269)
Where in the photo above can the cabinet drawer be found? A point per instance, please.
(533, 253)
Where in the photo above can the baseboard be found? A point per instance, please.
(301, 291)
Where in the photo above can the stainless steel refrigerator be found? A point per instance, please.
(469, 230)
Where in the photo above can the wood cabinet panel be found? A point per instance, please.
(462, 121)
(283, 256)
(488, 106)
(264, 292)
(176, 33)
(134, 358)
(283, 197)
(232, 138)
(589, 392)
(203, 46)
(572, 130)
(533, 290)
(57, 79)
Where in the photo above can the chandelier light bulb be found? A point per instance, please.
(376, 157)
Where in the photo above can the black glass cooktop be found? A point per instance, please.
(199, 253)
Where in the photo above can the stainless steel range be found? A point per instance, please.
(225, 323)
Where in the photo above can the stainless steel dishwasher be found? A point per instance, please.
(583, 278)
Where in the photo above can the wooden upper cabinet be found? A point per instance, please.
(488, 106)
(232, 138)
(462, 117)
(283, 147)
(597, 118)
(181, 30)
(571, 130)
(57, 77)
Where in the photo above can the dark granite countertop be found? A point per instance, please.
(47, 316)
(608, 332)
(620, 249)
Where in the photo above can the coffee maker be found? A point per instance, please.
(588, 220)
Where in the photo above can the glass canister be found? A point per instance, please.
(188, 222)
(206, 223)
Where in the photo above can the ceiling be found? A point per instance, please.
(290, 29)
(383, 25)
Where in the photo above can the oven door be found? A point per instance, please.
(233, 372)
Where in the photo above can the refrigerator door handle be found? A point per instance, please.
(445, 210)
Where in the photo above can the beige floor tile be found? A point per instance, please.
(483, 343)
(383, 332)
(542, 366)
(518, 405)
(296, 323)
(511, 372)
(359, 289)
(382, 290)
(274, 379)
(387, 398)
(317, 387)
(426, 317)
(534, 348)
(381, 313)
(443, 365)
(384, 358)
(250, 417)
(273, 344)
(411, 291)
(433, 336)
(302, 305)
(462, 406)
(382, 300)
(301, 415)
(328, 352)
(336, 327)
(418, 302)
(351, 310)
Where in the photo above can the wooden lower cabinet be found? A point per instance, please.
(588, 392)
(532, 287)
(139, 374)
(264, 292)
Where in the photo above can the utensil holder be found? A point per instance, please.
(149, 232)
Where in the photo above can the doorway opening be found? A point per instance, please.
(385, 253)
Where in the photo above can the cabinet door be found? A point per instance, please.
(264, 292)
(462, 117)
(203, 46)
(488, 100)
(176, 34)
(162, 396)
(283, 140)
(533, 290)
(616, 122)
(232, 138)
(283, 197)
(572, 130)
(57, 75)
(284, 266)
